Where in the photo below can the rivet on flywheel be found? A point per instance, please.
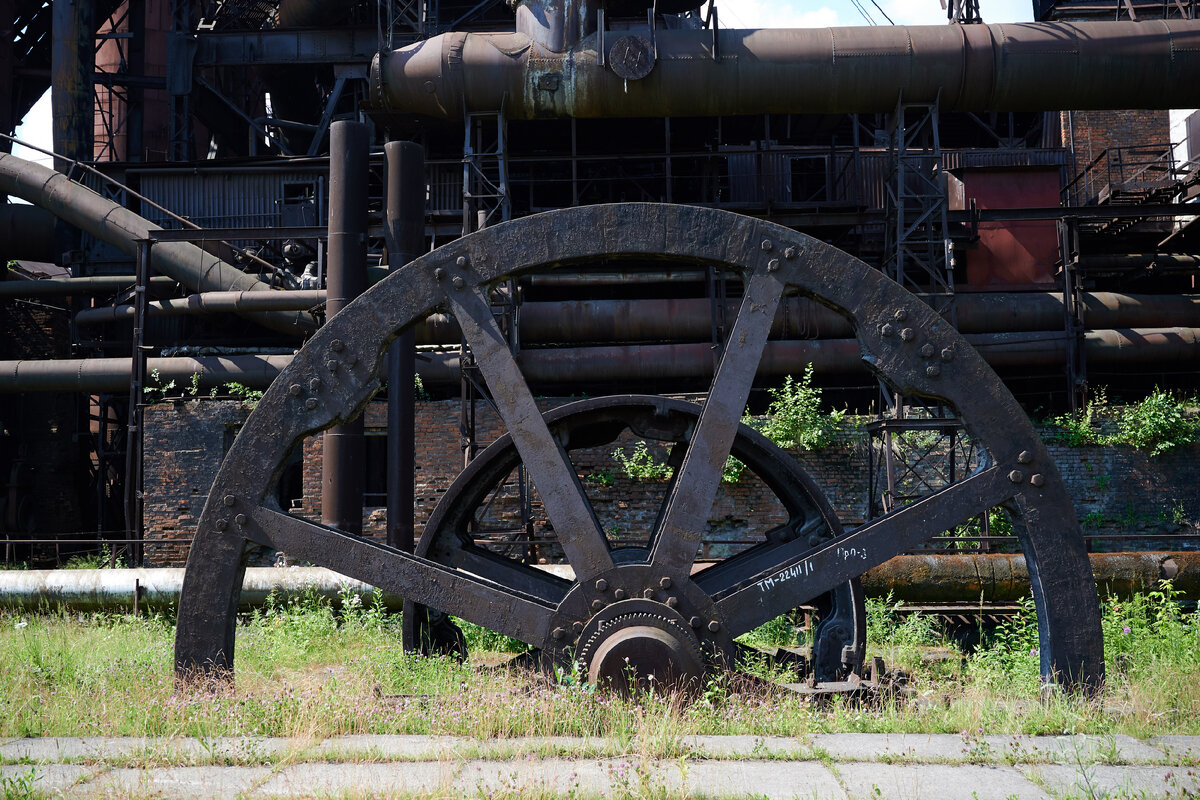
(577, 627)
(597, 605)
(1016, 476)
(789, 253)
(240, 519)
(713, 626)
(311, 404)
(331, 365)
(1024, 457)
(222, 524)
(458, 282)
(947, 355)
(773, 265)
(933, 370)
(673, 602)
(336, 345)
(664, 582)
(558, 633)
(461, 262)
(439, 273)
(886, 329)
(619, 594)
(695, 622)
(900, 315)
(230, 500)
(767, 246)
(927, 350)
(907, 334)
(294, 390)
(601, 585)
(314, 385)
(1037, 480)
(647, 593)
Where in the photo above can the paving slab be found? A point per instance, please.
(50, 749)
(175, 783)
(335, 779)
(1177, 747)
(390, 748)
(1102, 780)
(573, 745)
(748, 746)
(777, 780)
(936, 782)
(528, 776)
(1109, 749)
(44, 779)
(891, 747)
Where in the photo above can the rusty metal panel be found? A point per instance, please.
(236, 198)
(1018, 252)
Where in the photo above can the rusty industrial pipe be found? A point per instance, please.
(211, 303)
(1174, 348)
(343, 468)
(85, 209)
(998, 578)
(1016, 67)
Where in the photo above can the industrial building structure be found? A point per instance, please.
(995, 171)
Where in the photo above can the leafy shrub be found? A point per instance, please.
(1079, 428)
(795, 418)
(641, 465)
(1157, 423)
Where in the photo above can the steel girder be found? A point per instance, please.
(902, 339)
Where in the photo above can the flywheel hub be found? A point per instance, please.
(641, 645)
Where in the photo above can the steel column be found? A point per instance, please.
(406, 240)
(343, 475)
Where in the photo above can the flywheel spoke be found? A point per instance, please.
(550, 469)
(802, 573)
(477, 599)
(690, 500)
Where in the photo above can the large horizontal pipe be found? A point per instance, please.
(1169, 347)
(997, 578)
(987, 578)
(80, 206)
(690, 319)
(1019, 67)
(211, 303)
(158, 588)
(62, 287)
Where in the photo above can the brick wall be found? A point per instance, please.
(1093, 132)
(1116, 489)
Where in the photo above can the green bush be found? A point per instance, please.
(641, 465)
(1157, 423)
(795, 418)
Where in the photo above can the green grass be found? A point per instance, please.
(305, 670)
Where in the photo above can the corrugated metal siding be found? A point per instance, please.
(235, 198)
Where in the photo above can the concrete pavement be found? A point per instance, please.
(841, 766)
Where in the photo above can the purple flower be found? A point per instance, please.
(1126, 630)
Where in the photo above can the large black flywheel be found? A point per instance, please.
(908, 345)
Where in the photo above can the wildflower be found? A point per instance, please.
(1126, 630)
(1033, 651)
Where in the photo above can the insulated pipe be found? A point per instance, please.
(1017, 67)
(211, 303)
(61, 287)
(78, 205)
(1177, 348)
(988, 577)
(159, 588)
(405, 216)
(343, 475)
(993, 578)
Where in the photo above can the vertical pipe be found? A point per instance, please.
(343, 469)
(72, 63)
(134, 502)
(405, 241)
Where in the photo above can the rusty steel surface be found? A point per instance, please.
(1095, 65)
(334, 376)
